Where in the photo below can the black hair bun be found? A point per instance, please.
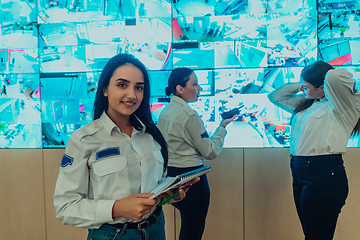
(168, 91)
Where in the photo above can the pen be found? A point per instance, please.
(169, 198)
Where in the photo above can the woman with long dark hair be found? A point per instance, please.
(189, 146)
(111, 164)
(324, 117)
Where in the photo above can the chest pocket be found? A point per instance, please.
(106, 174)
(108, 166)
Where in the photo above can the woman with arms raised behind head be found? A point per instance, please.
(189, 145)
(111, 164)
(324, 117)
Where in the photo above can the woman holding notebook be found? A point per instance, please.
(111, 164)
(189, 145)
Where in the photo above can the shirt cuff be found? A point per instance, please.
(221, 130)
(104, 211)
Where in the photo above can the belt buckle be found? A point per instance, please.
(143, 225)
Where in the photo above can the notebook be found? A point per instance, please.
(173, 182)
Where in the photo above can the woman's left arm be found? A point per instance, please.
(340, 90)
(208, 147)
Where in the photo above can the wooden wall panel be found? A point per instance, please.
(349, 218)
(225, 216)
(251, 197)
(269, 209)
(22, 214)
(55, 230)
(169, 212)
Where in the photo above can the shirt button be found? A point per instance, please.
(332, 173)
(308, 161)
(117, 230)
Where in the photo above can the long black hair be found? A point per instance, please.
(315, 75)
(143, 112)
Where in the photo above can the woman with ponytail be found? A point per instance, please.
(189, 146)
(324, 117)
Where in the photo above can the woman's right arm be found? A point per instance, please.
(286, 97)
(134, 206)
(71, 191)
(72, 205)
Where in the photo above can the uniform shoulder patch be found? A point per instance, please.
(205, 135)
(66, 161)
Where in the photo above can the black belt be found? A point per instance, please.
(330, 158)
(142, 224)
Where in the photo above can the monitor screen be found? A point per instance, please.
(52, 54)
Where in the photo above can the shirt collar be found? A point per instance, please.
(138, 125)
(321, 100)
(109, 125)
(179, 100)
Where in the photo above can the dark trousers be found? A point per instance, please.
(320, 188)
(194, 207)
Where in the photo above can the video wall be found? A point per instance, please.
(52, 53)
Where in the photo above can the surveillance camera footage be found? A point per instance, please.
(52, 53)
